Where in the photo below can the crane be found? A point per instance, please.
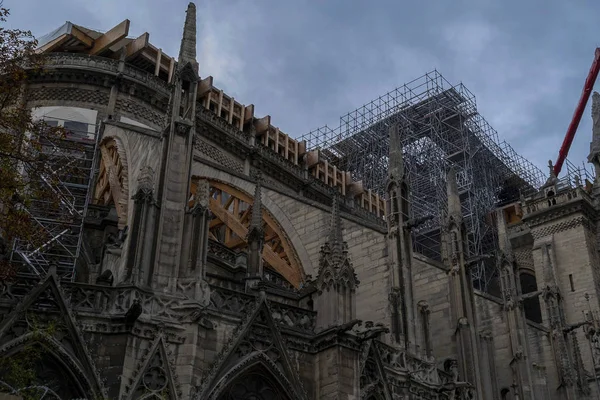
(585, 95)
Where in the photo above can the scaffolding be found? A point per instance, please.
(439, 128)
(59, 220)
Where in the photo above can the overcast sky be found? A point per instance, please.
(306, 63)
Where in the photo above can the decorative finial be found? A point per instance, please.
(551, 168)
(187, 51)
(396, 159)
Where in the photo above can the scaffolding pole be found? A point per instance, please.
(439, 127)
(60, 226)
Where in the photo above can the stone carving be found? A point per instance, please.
(225, 300)
(335, 267)
(217, 155)
(559, 227)
(140, 111)
(154, 375)
(255, 340)
(44, 311)
(257, 385)
(78, 96)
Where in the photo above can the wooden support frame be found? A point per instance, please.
(231, 210)
(111, 37)
(136, 45)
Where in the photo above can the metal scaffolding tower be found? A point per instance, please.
(60, 226)
(440, 127)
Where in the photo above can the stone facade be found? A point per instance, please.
(219, 265)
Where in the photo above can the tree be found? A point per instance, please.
(22, 138)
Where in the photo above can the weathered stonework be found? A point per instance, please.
(227, 270)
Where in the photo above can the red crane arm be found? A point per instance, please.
(585, 95)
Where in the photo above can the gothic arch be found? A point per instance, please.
(252, 378)
(231, 210)
(531, 306)
(112, 183)
(210, 173)
(55, 369)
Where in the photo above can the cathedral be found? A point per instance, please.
(208, 255)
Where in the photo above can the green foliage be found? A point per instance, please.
(20, 369)
(21, 139)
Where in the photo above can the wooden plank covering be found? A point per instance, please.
(82, 36)
(272, 258)
(262, 125)
(54, 44)
(205, 86)
(111, 37)
(137, 45)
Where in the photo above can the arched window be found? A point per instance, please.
(533, 311)
(231, 210)
(256, 384)
(34, 371)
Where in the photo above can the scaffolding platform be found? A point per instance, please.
(60, 225)
(439, 127)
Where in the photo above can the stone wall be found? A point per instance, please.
(491, 318)
(431, 284)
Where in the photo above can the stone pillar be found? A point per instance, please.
(255, 239)
(513, 310)
(401, 297)
(174, 182)
(140, 237)
(338, 373)
(192, 267)
(461, 290)
(555, 315)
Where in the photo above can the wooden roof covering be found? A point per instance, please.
(140, 53)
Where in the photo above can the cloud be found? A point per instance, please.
(306, 63)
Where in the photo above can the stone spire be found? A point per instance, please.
(454, 209)
(594, 156)
(396, 159)
(336, 281)
(187, 51)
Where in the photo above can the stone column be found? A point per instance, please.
(140, 237)
(255, 239)
(461, 290)
(515, 318)
(401, 297)
(174, 181)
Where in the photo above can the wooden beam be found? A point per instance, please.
(355, 188)
(111, 37)
(272, 258)
(262, 125)
(54, 44)
(269, 220)
(82, 36)
(113, 179)
(313, 158)
(158, 61)
(137, 45)
(205, 86)
(248, 113)
(171, 70)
